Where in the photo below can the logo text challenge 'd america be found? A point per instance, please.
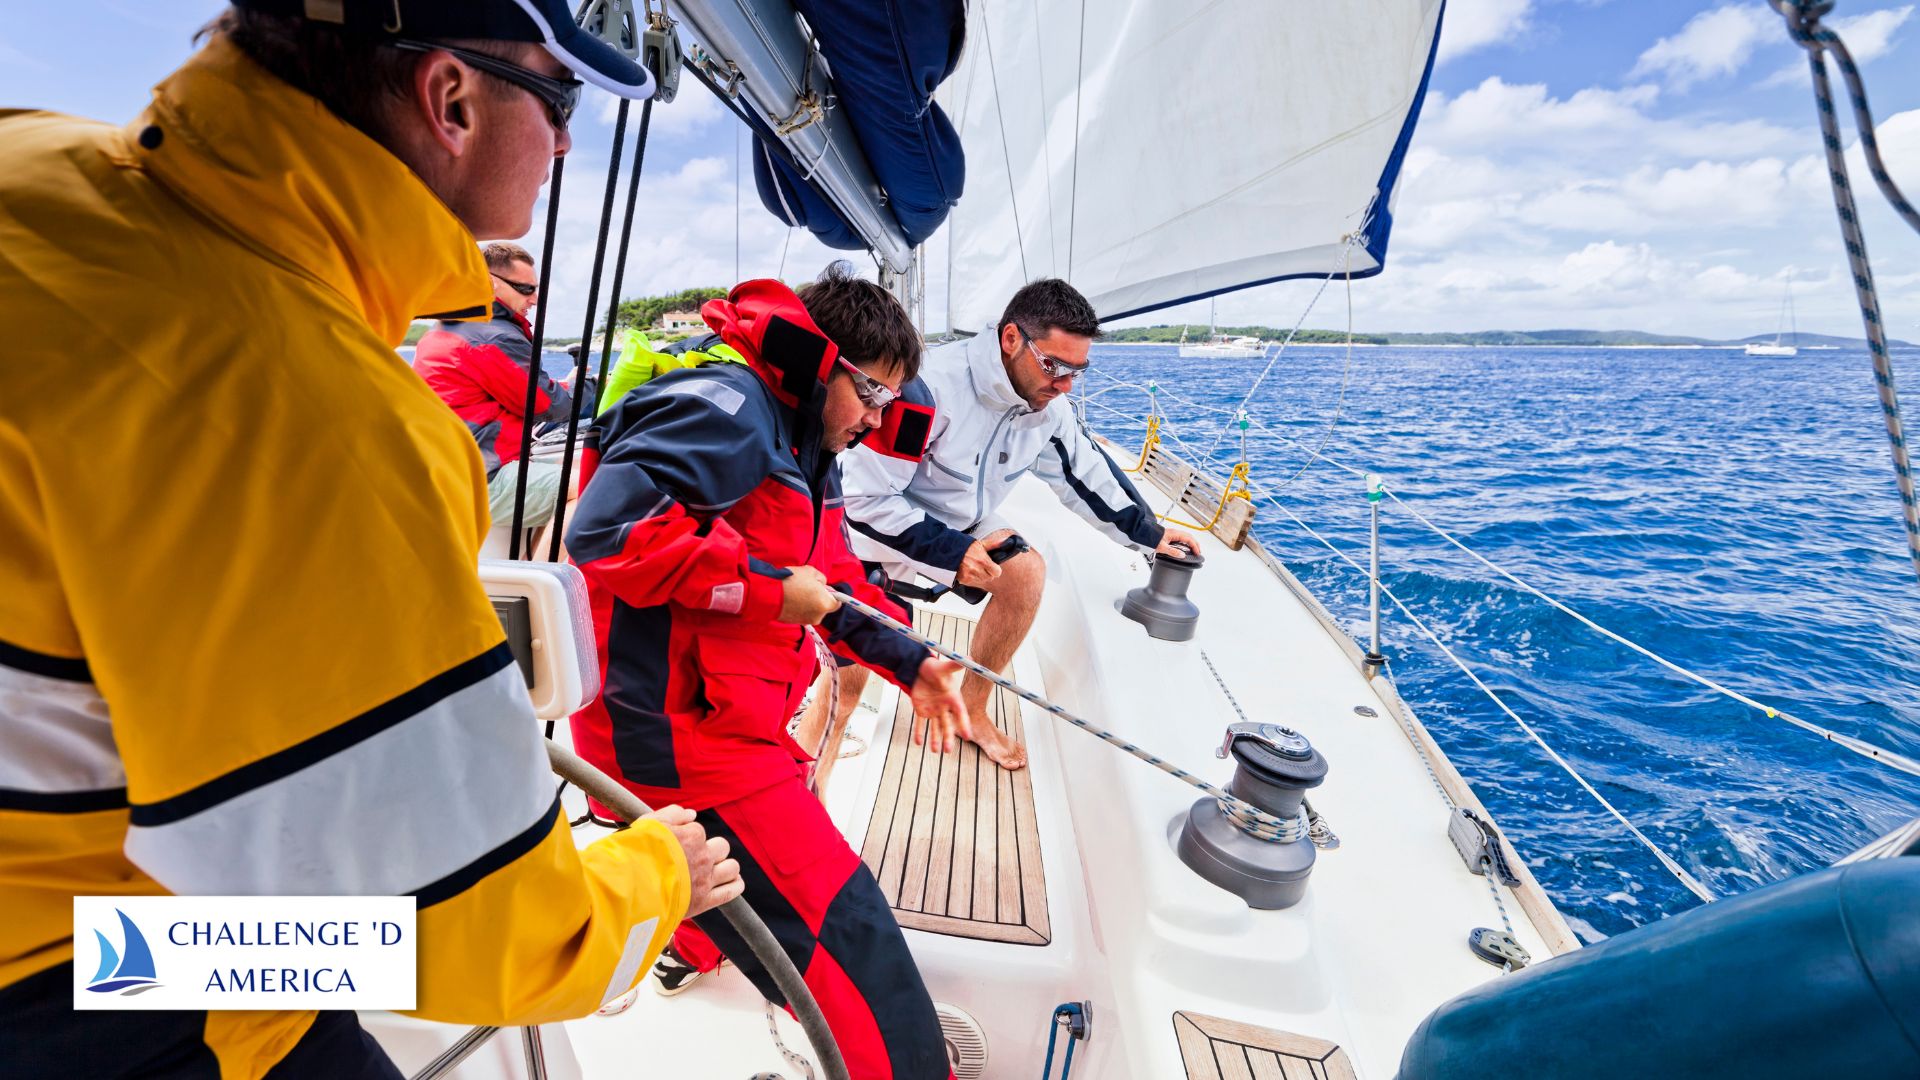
(243, 952)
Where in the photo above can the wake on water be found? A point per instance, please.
(1738, 517)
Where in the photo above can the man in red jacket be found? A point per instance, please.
(711, 531)
(480, 370)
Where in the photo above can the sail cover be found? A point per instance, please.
(1177, 150)
(886, 57)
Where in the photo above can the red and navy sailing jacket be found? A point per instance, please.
(709, 482)
(480, 370)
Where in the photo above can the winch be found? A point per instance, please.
(1274, 767)
(1161, 605)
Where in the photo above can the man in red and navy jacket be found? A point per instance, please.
(480, 370)
(710, 533)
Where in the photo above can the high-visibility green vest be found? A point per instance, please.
(640, 362)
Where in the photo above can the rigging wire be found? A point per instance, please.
(534, 369)
(558, 526)
(1006, 156)
(1803, 23)
(1079, 90)
(1692, 884)
(1883, 755)
(1351, 239)
(1046, 135)
(1859, 746)
(1340, 403)
(626, 234)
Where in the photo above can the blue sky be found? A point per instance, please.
(1590, 163)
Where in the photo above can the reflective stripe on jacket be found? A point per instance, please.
(244, 647)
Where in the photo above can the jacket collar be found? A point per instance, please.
(502, 311)
(273, 167)
(988, 372)
(768, 325)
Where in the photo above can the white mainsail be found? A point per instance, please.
(1112, 147)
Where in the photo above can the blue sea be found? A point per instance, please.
(1736, 515)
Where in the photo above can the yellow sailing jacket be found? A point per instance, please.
(243, 649)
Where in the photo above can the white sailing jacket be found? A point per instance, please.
(918, 517)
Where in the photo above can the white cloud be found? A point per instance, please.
(1712, 43)
(1475, 24)
(1649, 199)
(1499, 109)
(1867, 36)
(1597, 124)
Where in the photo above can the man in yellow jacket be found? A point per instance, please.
(243, 649)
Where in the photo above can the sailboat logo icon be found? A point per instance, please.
(129, 971)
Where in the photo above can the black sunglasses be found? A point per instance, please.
(520, 287)
(561, 96)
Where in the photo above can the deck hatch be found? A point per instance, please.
(1217, 1049)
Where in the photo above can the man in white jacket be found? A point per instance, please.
(995, 419)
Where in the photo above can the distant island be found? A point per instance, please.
(1170, 335)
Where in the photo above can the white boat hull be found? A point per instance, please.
(1223, 352)
(1378, 941)
(1772, 350)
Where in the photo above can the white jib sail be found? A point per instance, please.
(1157, 151)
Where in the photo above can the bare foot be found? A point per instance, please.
(1002, 750)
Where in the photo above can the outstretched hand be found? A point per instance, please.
(936, 700)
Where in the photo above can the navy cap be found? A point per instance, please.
(547, 22)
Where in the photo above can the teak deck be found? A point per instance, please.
(952, 840)
(1216, 1049)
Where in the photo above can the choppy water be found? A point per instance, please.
(1736, 515)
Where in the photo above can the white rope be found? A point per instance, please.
(1255, 821)
(1859, 746)
(1667, 861)
(794, 1058)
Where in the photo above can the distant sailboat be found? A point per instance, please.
(1219, 345)
(1790, 348)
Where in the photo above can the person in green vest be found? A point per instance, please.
(640, 362)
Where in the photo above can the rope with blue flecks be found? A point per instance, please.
(1803, 23)
(1255, 821)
